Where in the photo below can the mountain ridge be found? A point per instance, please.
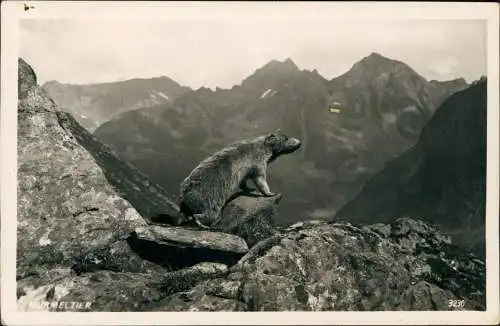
(340, 151)
(82, 100)
(93, 104)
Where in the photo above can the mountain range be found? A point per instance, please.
(94, 104)
(384, 106)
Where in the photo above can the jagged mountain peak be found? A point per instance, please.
(376, 62)
(379, 71)
(456, 81)
(204, 89)
(269, 75)
(276, 66)
(289, 61)
(376, 56)
(460, 80)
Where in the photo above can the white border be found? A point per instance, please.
(13, 11)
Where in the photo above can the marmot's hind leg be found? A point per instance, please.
(209, 216)
(201, 213)
(197, 218)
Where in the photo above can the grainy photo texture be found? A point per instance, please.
(239, 166)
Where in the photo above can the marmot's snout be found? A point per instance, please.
(294, 142)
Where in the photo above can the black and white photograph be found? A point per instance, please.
(237, 157)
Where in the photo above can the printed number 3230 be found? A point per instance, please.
(456, 303)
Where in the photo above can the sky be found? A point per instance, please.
(222, 53)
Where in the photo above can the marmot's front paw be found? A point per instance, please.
(272, 194)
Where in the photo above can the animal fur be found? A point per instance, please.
(207, 188)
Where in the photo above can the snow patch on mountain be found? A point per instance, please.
(164, 96)
(268, 93)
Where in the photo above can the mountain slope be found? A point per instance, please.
(442, 178)
(94, 104)
(340, 151)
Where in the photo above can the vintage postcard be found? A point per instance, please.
(249, 163)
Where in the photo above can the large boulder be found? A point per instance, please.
(251, 216)
(66, 206)
(336, 266)
(76, 199)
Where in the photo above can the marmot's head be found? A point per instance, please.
(281, 144)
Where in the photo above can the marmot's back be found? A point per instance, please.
(220, 169)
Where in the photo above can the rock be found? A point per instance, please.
(76, 200)
(102, 290)
(409, 233)
(117, 257)
(214, 295)
(404, 226)
(114, 291)
(441, 262)
(184, 279)
(425, 295)
(380, 228)
(365, 272)
(182, 237)
(66, 206)
(148, 198)
(26, 78)
(250, 216)
(261, 248)
(179, 247)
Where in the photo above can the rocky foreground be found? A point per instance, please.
(85, 234)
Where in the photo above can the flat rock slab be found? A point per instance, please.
(190, 238)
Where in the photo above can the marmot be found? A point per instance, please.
(207, 188)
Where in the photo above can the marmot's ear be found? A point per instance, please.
(270, 138)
